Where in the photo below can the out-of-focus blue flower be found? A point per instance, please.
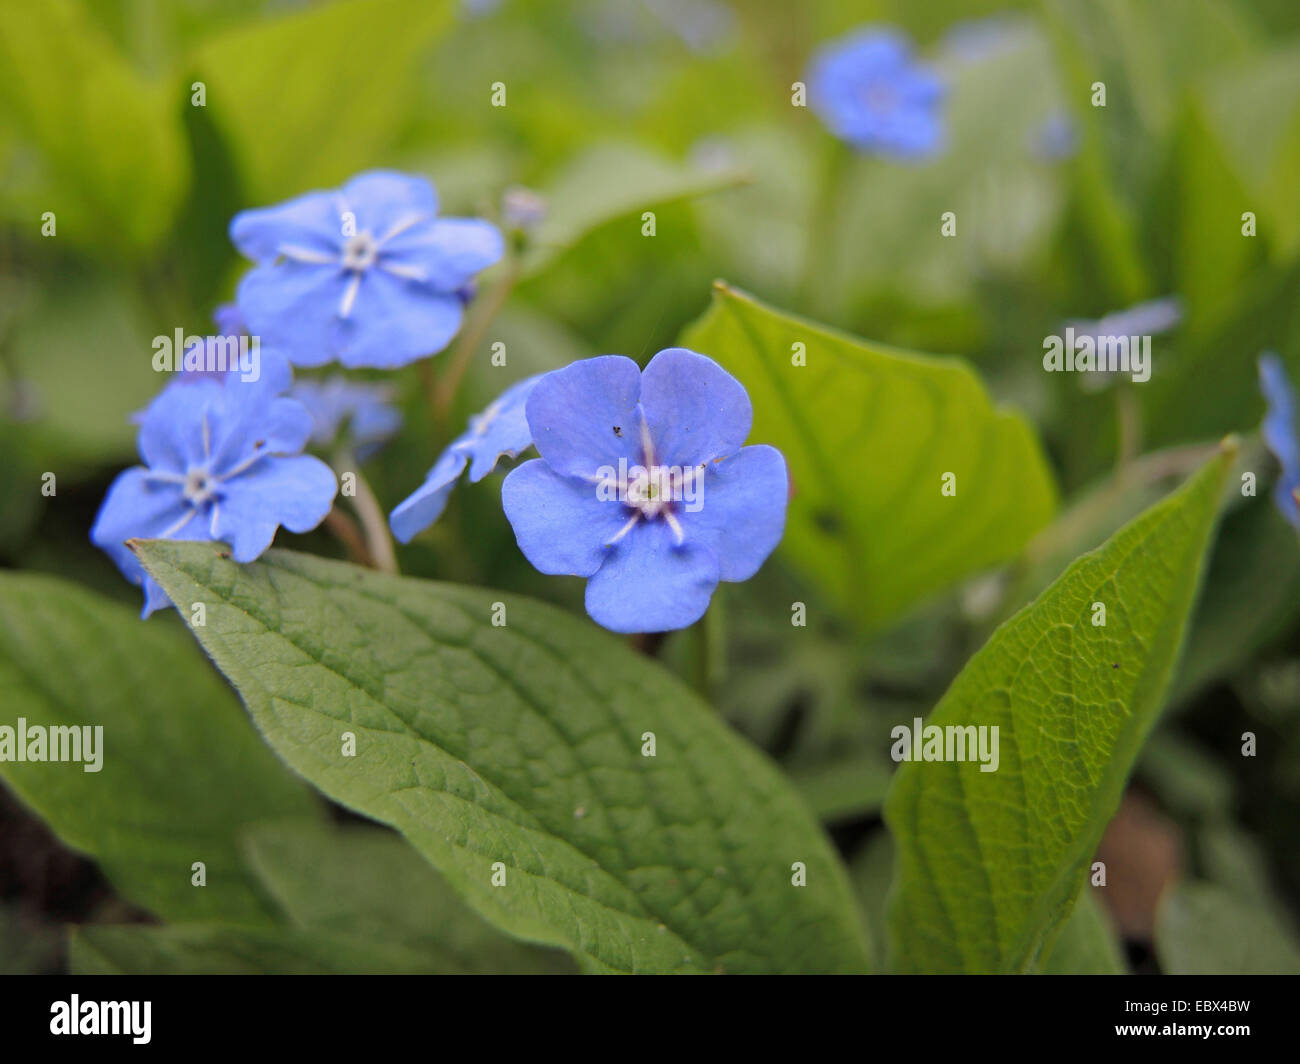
(367, 275)
(644, 486)
(364, 408)
(1279, 432)
(499, 431)
(869, 91)
(1057, 138)
(975, 40)
(522, 208)
(222, 462)
(228, 320)
(234, 362)
(1142, 319)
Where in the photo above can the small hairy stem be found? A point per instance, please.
(348, 532)
(378, 538)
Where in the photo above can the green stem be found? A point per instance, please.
(378, 538)
(481, 316)
(819, 251)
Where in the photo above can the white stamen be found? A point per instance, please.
(349, 295)
(402, 225)
(168, 533)
(310, 255)
(631, 522)
(404, 271)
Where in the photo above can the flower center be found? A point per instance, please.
(652, 490)
(199, 487)
(880, 97)
(360, 251)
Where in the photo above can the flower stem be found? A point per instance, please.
(481, 316)
(1129, 419)
(822, 229)
(378, 539)
(347, 532)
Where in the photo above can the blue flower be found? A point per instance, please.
(868, 91)
(232, 361)
(363, 407)
(222, 462)
(367, 275)
(228, 320)
(1142, 319)
(1279, 432)
(1056, 138)
(644, 486)
(499, 431)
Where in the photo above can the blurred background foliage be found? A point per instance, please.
(618, 107)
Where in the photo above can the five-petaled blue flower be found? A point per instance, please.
(499, 431)
(644, 485)
(869, 92)
(222, 462)
(1279, 432)
(361, 409)
(368, 275)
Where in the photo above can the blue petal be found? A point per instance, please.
(586, 415)
(425, 505)
(137, 508)
(650, 584)
(381, 199)
(1279, 433)
(561, 525)
(501, 430)
(696, 411)
(296, 492)
(309, 221)
(449, 251)
(742, 510)
(257, 425)
(171, 428)
(294, 308)
(395, 322)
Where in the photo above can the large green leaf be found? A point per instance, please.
(990, 862)
(307, 98)
(111, 160)
(371, 883)
(521, 747)
(181, 771)
(1202, 929)
(869, 433)
(1086, 944)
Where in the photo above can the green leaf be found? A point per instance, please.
(1086, 944)
(218, 949)
(990, 862)
(521, 747)
(1202, 929)
(372, 884)
(112, 164)
(307, 99)
(181, 771)
(869, 433)
(611, 181)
